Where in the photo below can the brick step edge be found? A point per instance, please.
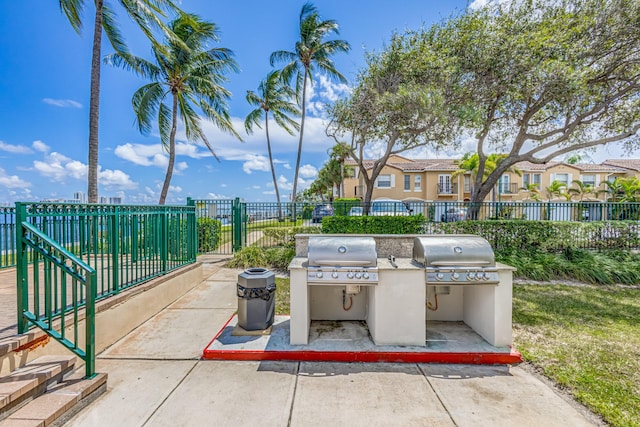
(60, 403)
(32, 380)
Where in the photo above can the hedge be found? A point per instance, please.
(373, 224)
(549, 236)
(208, 234)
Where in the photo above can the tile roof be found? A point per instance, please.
(633, 164)
(423, 165)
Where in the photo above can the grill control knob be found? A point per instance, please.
(350, 275)
(455, 276)
(319, 274)
(439, 276)
(365, 275)
(471, 275)
(358, 275)
(334, 274)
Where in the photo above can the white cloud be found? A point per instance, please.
(59, 167)
(256, 163)
(116, 178)
(478, 4)
(307, 171)
(284, 184)
(256, 187)
(64, 103)
(12, 181)
(215, 196)
(223, 185)
(40, 146)
(15, 149)
(322, 91)
(287, 166)
(154, 154)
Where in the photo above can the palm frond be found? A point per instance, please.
(165, 123)
(72, 9)
(146, 100)
(110, 26)
(254, 118)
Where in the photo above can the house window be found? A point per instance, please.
(384, 181)
(531, 178)
(467, 184)
(503, 185)
(589, 180)
(444, 184)
(407, 183)
(562, 177)
(417, 183)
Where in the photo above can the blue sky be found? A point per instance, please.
(44, 97)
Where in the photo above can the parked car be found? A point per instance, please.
(320, 212)
(389, 208)
(356, 211)
(454, 214)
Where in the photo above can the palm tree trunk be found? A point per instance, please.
(172, 151)
(94, 104)
(273, 171)
(302, 117)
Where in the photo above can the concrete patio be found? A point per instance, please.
(156, 378)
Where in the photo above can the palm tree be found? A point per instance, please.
(556, 189)
(470, 162)
(534, 191)
(146, 14)
(581, 189)
(191, 74)
(339, 153)
(311, 51)
(273, 96)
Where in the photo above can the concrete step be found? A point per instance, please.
(32, 380)
(60, 401)
(13, 343)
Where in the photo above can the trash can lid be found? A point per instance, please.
(256, 278)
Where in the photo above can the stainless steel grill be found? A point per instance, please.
(342, 260)
(459, 259)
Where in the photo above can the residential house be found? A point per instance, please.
(433, 179)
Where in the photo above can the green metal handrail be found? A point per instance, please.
(64, 288)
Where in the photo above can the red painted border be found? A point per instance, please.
(485, 358)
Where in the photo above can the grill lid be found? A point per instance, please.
(342, 251)
(446, 250)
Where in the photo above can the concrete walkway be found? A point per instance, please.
(157, 379)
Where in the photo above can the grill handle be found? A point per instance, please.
(458, 263)
(342, 262)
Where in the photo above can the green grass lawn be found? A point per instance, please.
(587, 340)
(584, 338)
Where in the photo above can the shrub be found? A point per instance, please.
(373, 224)
(342, 206)
(208, 234)
(250, 256)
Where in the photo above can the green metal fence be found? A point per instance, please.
(7, 237)
(71, 255)
(263, 224)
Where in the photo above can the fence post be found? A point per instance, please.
(237, 225)
(114, 226)
(164, 238)
(193, 228)
(22, 270)
(90, 325)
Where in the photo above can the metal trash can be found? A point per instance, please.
(256, 299)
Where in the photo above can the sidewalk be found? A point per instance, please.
(156, 378)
